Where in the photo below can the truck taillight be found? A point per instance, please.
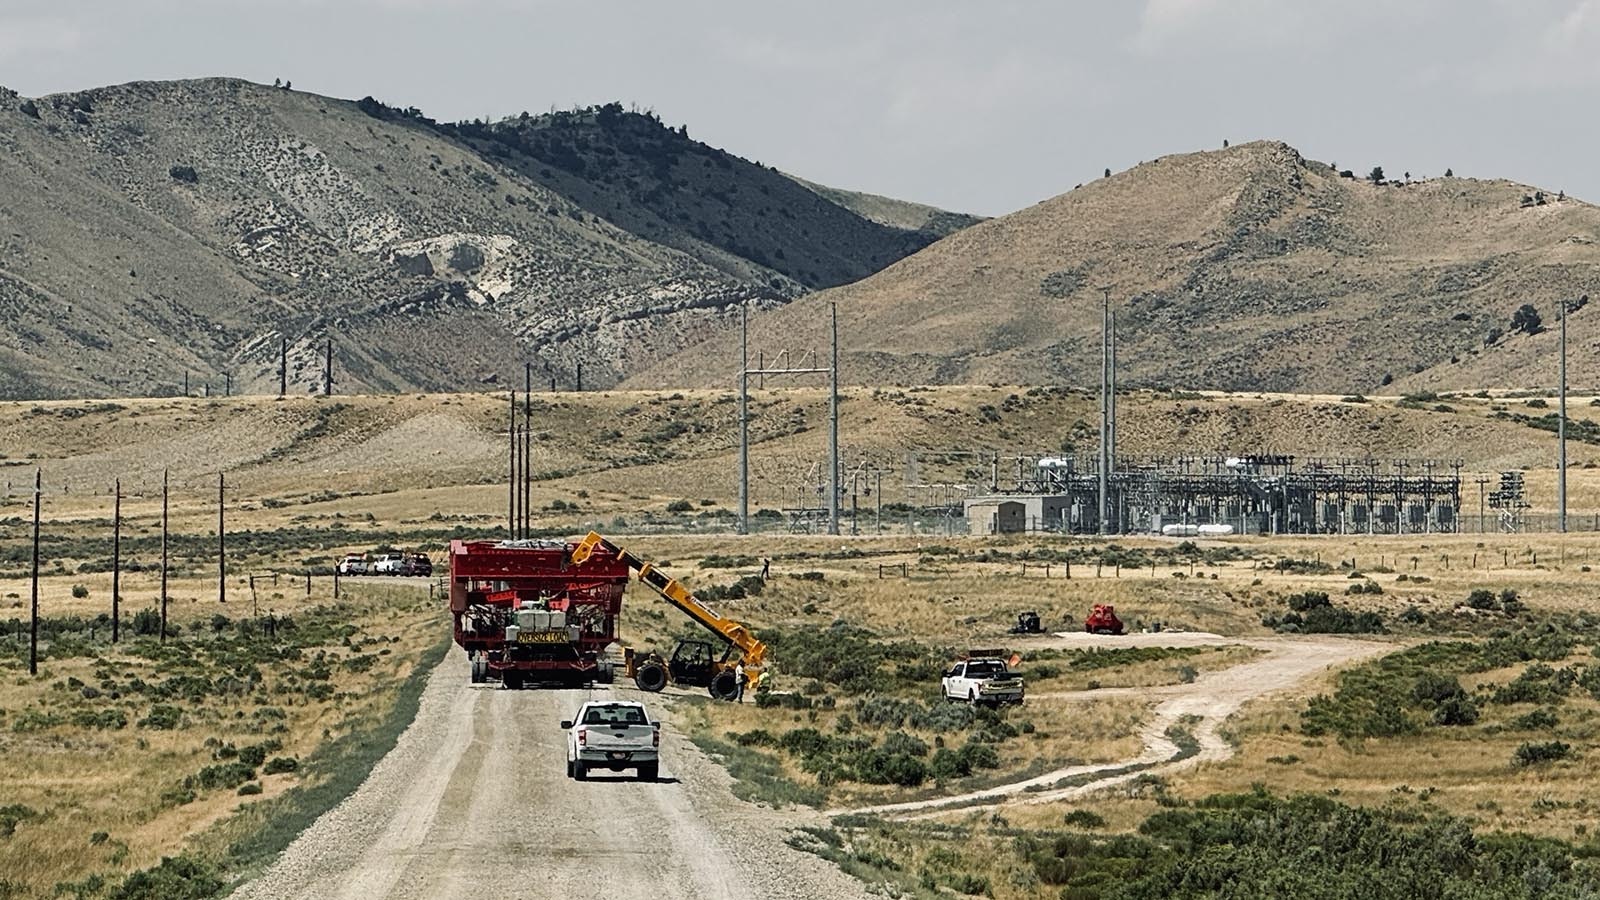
(583, 737)
(655, 736)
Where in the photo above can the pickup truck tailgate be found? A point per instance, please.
(618, 737)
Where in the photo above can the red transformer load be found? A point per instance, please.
(527, 614)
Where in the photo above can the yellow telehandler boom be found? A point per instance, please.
(691, 661)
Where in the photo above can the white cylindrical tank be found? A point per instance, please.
(1180, 530)
(1216, 530)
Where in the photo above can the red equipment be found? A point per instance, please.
(1103, 620)
(526, 614)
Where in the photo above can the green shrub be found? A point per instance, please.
(1531, 754)
(902, 743)
(177, 878)
(221, 775)
(162, 718)
(1536, 720)
(12, 814)
(249, 788)
(278, 765)
(881, 766)
(1083, 818)
(80, 591)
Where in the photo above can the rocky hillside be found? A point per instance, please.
(737, 216)
(1247, 268)
(157, 229)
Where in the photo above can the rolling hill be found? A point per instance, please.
(1249, 268)
(159, 232)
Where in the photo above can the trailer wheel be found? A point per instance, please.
(480, 669)
(725, 686)
(651, 677)
(607, 674)
(512, 679)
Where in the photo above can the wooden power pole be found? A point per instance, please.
(222, 559)
(33, 621)
(163, 555)
(116, 565)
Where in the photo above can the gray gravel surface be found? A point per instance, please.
(474, 802)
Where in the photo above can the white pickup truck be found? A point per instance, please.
(615, 735)
(982, 679)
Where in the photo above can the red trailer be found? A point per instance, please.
(526, 614)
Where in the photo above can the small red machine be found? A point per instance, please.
(1103, 620)
(526, 614)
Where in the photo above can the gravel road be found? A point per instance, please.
(474, 802)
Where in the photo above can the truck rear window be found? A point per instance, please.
(984, 669)
(614, 715)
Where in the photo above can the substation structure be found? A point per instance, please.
(1214, 495)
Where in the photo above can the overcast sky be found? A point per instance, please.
(975, 106)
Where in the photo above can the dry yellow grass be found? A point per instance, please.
(84, 780)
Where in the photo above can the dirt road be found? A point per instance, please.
(474, 802)
(1206, 703)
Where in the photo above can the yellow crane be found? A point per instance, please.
(692, 662)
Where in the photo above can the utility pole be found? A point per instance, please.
(511, 472)
(163, 555)
(116, 565)
(1105, 419)
(327, 371)
(33, 618)
(186, 382)
(877, 499)
(227, 384)
(1111, 425)
(744, 417)
(579, 385)
(527, 448)
(833, 425)
(1561, 438)
(222, 558)
(283, 368)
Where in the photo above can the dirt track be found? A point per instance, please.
(474, 802)
(1211, 699)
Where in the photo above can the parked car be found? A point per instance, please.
(388, 564)
(417, 564)
(353, 564)
(615, 735)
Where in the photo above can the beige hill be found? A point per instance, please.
(154, 231)
(1245, 268)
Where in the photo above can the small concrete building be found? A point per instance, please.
(996, 516)
(1019, 513)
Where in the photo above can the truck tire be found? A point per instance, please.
(725, 686)
(569, 768)
(580, 771)
(651, 677)
(650, 772)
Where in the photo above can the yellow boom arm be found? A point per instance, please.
(753, 650)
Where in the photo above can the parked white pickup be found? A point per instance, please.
(982, 680)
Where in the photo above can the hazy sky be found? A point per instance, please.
(976, 106)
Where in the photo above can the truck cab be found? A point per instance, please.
(614, 735)
(982, 679)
